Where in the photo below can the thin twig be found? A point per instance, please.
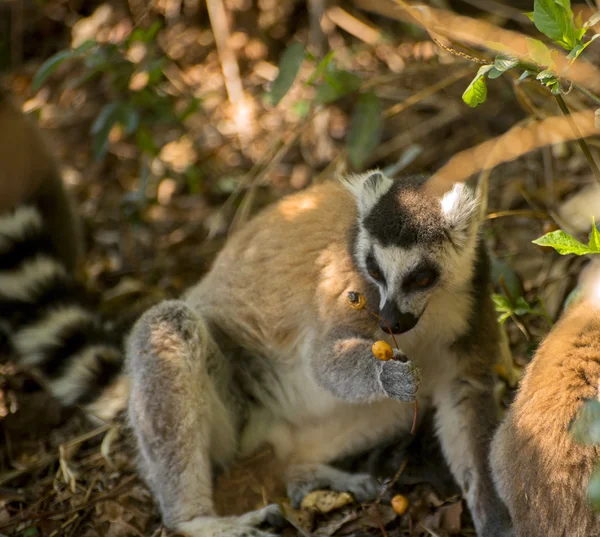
(538, 215)
(580, 140)
(457, 53)
(391, 482)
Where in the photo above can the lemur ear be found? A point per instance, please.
(459, 209)
(367, 188)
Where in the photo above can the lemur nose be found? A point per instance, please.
(397, 321)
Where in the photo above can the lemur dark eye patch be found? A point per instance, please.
(373, 268)
(423, 277)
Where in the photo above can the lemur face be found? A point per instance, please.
(411, 244)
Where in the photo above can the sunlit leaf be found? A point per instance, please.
(594, 243)
(365, 129)
(579, 48)
(554, 19)
(504, 62)
(289, 65)
(502, 303)
(503, 318)
(476, 91)
(538, 51)
(563, 243)
(546, 76)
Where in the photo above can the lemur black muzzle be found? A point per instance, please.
(397, 321)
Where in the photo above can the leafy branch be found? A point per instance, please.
(331, 85)
(554, 19)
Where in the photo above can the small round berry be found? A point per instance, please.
(382, 351)
(399, 504)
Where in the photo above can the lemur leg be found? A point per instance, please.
(304, 478)
(466, 420)
(181, 423)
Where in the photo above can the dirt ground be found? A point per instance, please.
(154, 223)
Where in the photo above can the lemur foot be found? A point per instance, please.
(363, 487)
(242, 526)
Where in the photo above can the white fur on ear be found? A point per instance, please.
(459, 207)
(367, 188)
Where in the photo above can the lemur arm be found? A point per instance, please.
(466, 421)
(347, 368)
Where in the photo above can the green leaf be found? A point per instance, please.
(494, 73)
(502, 318)
(108, 116)
(538, 51)
(504, 62)
(323, 66)
(529, 15)
(476, 91)
(145, 142)
(365, 129)
(594, 489)
(502, 303)
(129, 117)
(563, 243)
(586, 427)
(289, 65)
(337, 85)
(524, 75)
(546, 76)
(594, 243)
(190, 109)
(522, 307)
(554, 19)
(511, 279)
(49, 66)
(580, 47)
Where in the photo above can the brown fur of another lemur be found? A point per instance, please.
(540, 471)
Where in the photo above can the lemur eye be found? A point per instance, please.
(375, 274)
(373, 269)
(424, 279)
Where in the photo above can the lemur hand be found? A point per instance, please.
(400, 380)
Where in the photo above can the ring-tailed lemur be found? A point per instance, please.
(542, 472)
(265, 349)
(48, 326)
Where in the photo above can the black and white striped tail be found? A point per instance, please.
(48, 325)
